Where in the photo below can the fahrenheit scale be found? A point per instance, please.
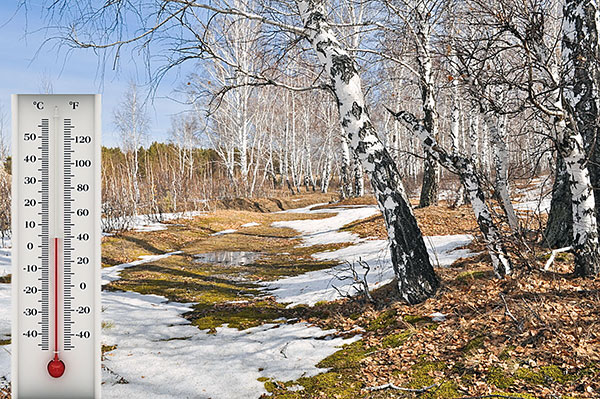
(56, 246)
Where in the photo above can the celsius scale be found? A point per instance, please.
(56, 246)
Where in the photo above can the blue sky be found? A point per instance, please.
(23, 67)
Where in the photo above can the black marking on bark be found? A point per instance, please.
(343, 66)
(356, 110)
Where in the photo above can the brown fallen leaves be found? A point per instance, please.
(534, 333)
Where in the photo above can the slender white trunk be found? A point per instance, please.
(455, 118)
(345, 168)
(497, 128)
(327, 167)
(429, 189)
(359, 183)
(474, 136)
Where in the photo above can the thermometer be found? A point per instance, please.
(56, 246)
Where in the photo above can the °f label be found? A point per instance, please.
(56, 246)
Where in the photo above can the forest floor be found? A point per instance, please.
(239, 285)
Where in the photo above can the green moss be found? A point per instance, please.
(396, 340)
(547, 375)
(348, 357)
(515, 395)
(506, 352)
(473, 275)
(474, 344)
(326, 385)
(422, 376)
(384, 320)
(415, 319)
(339, 382)
(5, 341)
(500, 378)
(240, 318)
(270, 385)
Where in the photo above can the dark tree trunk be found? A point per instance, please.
(359, 181)
(429, 189)
(559, 229)
(415, 276)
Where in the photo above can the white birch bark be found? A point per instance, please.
(415, 276)
(346, 184)
(467, 172)
(580, 52)
(429, 189)
(474, 136)
(497, 130)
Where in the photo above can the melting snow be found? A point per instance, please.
(323, 285)
(222, 232)
(438, 317)
(162, 356)
(5, 267)
(251, 224)
(325, 231)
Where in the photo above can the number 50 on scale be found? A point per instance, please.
(56, 246)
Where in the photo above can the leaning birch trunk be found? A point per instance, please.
(579, 53)
(465, 169)
(415, 276)
(497, 129)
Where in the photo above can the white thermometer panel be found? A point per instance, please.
(56, 246)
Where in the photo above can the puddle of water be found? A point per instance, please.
(229, 258)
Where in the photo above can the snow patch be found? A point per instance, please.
(251, 224)
(5, 316)
(312, 287)
(438, 317)
(325, 231)
(5, 265)
(162, 355)
(222, 232)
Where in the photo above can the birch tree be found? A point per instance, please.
(465, 169)
(580, 96)
(132, 122)
(423, 28)
(415, 276)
